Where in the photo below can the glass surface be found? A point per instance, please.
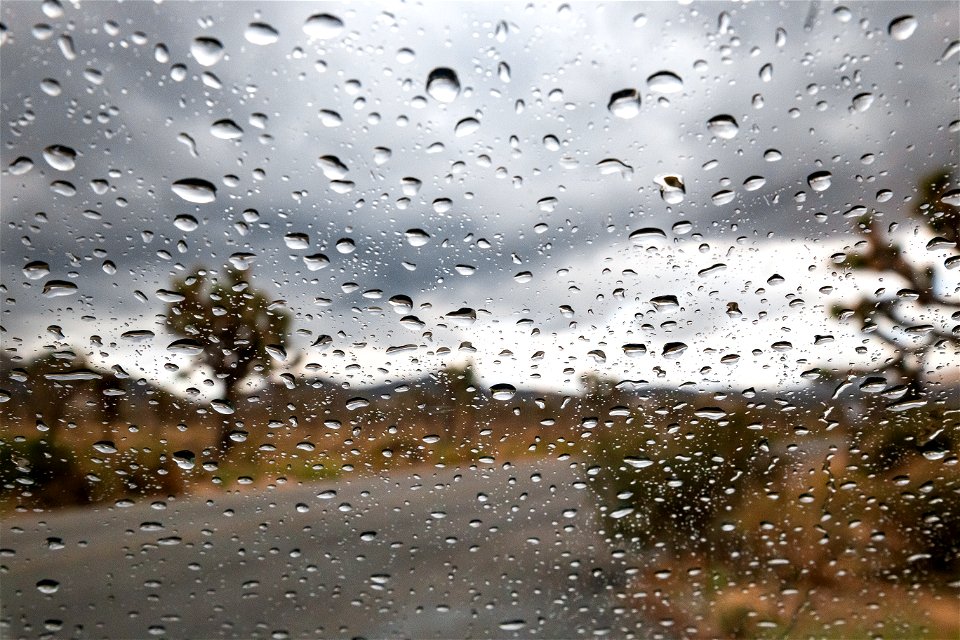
(491, 319)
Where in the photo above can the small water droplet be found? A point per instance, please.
(59, 288)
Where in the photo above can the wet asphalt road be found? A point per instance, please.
(478, 551)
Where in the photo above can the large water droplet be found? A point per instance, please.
(60, 157)
(59, 288)
(323, 25)
(226, 130)
(466, 127)
(297, 241)
(503, 391)
(206, 51)
(625, 103)
(195, 190)
(443, 85)
(261, 34)
(665, 82)
(417, 237)
(723, 126)
(672, 189)
(36, 269)
(903, 27)
(819, 180)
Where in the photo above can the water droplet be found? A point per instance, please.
(185, 347)
(443, 85)
(503, 391)
(466, 127)
(625, 103)
(673, 349)
(345, 246)
(754, 182)
(772, 155)
(903, 27)
(463, 316)
(20, 166)
(297, 241)
(323, 26)
(330, 118)
(357, 403)
(672, 189)
(766, 72)
(641, 236)
(138, 335)
(665, 82)
(47, 586)
(59, 288)
(722, 197)
(417, 237)
(185, 222)
(36, 270)
(195, 190)
(613, 166)
(261, 34)
(634, 350)
(60, 157)
(226, 130)
(862, 101)
(276, 351)
(513, 625)
(638, 463)
(951, 198)
(819, 180)
(222, 406)
(206, 51)
(105, 446)
(723, 126)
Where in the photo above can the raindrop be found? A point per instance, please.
(357, 403)
(513, 625)
(185, 347)
(443, 85)
(138, 335)
(640, 236)
(330, 118)
(60, 157)
(862, 101)
(625, 103)
(47, 586)
(346, 246)
(59, 288)
(673, 349)
(195, 190)
(105, 446)
(665, 82)
(951, 198)
(36, 270)
(332, 167)
(466, 127)
(185, 222)
(20, 166)
(672, 189)
(819, 180)
(297, 241)
(260, 34)
(222, 406)
(226, 130)
(723, 197)
(503, 391)
(903, 27)
(638, 463)
(723, 126)
(316, 262)
(206, 51)
(323, 25)
(417, 237)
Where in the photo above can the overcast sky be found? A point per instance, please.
(135, 89)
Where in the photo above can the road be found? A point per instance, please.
(482, 551)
